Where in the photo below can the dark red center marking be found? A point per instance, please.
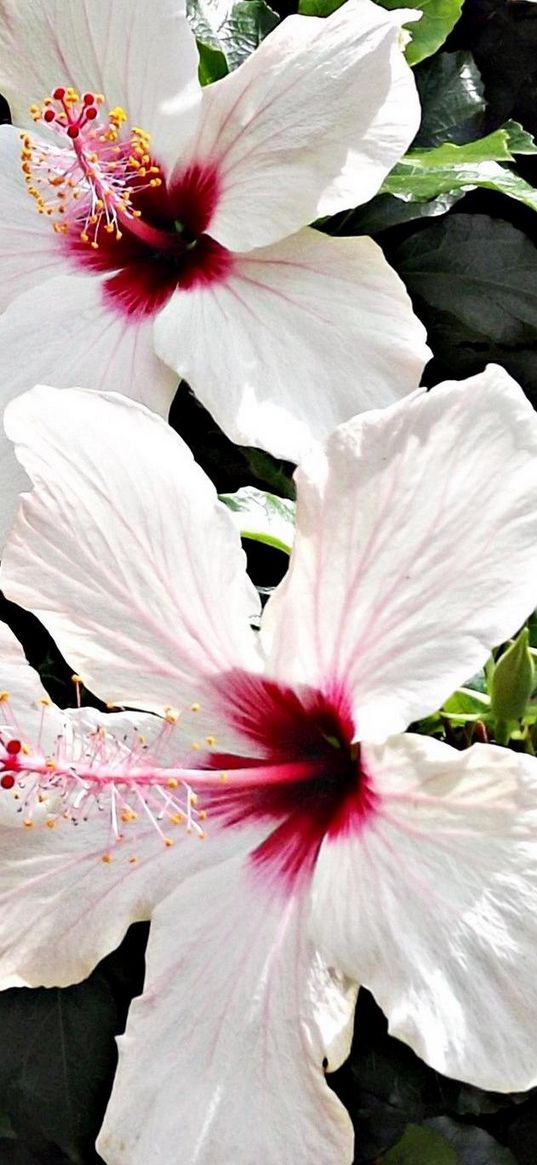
(336, 796)
(168, 248)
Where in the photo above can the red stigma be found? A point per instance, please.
(88, 99)
(13, 747)
(91, 113)
(59, 93)
(72, 131)
(49, 115)
(7, 781)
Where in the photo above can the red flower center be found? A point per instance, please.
(332, 796)
(114, 210)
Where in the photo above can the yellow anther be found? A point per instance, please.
(109, 227)
(25, 748)
(99, 204)
(45, 701)
(50, 763)
(172, 783)
(195, 745)
(76, 679)
(94, 245)
(129, 815)
(193, 798)
(106, 858)
(4, 696)
(168, 841)
(28, 823)
(177, 819)
(85, 239)
(133, 860)
(50, 823)
(195, 707)
(202, 815)
(211, 740)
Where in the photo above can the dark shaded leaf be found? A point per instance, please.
(452, 97)
(57, 1061)
(472, 1146)
(473, 280)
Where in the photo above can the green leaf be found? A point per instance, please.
(319, 7)
(424, 175)
(439, 17)
(452, 100)
(212, 65)
(466, 704)
(421, 1144)
(233, 29)
(263, 516)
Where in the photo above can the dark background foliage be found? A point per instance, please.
(472, 274)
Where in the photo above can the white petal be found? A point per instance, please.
(310, 124)
(416, 550)
(222, 1057)
(301, 336)
(432, 905)
(22, 691)
(124, 550)
(29, 250)
(138, 57)
(63, 908)
(63, 332)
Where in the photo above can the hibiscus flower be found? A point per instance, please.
(340, 850)
(172, 218)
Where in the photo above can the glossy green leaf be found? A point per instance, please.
(319, 7)
(263, 516)
(212, 65)
(233, 29)
(437, 21)
(467, 705)
(424, 175)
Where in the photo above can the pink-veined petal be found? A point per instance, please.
(432, 905)
(415, 553)
(63, 332)
(22, 691)
(310, 124)
(137, 57)
(222, 1056)
(29, 249)
(300, 337)
(124, 551)
(62, 908)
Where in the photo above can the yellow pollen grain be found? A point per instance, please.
(168, 842)
(133, 860)
(106, 858)
(211, 740)
(46, 701)
(28, 824)
(50, 763)
(25, 749)
(4, 696)
(50, 823)
(172, 783)
(195, 707)
(195, 745)
(177, 819)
